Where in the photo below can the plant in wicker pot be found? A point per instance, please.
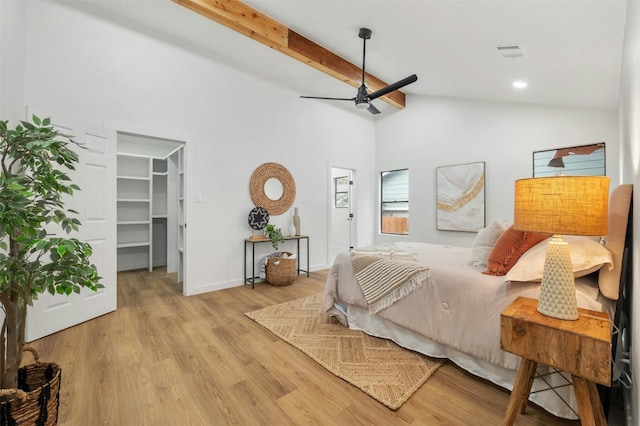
(34, 160)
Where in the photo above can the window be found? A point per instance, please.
(394, 208)
(341, 185)
(584, 160)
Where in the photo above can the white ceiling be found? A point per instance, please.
(572, 48)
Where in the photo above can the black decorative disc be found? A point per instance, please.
(258, 218)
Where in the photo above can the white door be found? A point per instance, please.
(175, 215)
(95, 174)
(342, 216)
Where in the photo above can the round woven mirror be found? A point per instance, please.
(262, 187)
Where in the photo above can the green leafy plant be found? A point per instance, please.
(275, 235)
(35, 158)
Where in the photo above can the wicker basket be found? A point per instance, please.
(281, 270)
(37, 400)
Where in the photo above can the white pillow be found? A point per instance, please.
(484, 242)
(587, 256)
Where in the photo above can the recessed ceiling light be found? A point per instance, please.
(520, 84)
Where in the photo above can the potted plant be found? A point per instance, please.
(34, 161)
(275, 235)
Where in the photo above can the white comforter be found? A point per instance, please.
(457, 307)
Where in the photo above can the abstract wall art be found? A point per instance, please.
(461, 197)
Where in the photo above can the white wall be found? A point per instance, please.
(82, 66)
(629, 110)
(435, 132)
(12, 39)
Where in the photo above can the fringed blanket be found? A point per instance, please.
(386, 276)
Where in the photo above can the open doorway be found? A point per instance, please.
(150, 204)
(341, 211)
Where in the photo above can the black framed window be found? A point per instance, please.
(582, 160)
(394, 206)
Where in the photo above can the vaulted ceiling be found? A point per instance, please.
(571, 49)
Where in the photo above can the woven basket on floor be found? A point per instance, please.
(39, 388)
(281, 270)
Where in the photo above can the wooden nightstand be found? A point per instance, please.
(581, 348)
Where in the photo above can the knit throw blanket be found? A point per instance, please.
(386, 275)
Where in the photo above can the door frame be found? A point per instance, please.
(352, 209)
(187, 141)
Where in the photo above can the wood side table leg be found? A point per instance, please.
(527, 391)
(598, 411)
(520, 392)
(589, 406)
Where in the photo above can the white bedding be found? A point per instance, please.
(454, 314)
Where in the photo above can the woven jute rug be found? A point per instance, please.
(379, 367)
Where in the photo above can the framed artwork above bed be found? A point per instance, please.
(460, 196)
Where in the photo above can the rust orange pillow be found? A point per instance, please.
(510, 246)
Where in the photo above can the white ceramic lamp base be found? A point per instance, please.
(558, 289)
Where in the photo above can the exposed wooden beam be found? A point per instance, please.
(258, 26)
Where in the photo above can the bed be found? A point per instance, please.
(452, 309)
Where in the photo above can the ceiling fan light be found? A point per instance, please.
(362, 105)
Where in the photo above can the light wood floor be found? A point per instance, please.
(165, 359)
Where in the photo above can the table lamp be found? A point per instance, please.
(561, 205)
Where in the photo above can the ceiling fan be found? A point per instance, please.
(363, 98)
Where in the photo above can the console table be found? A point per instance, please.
(248, 242)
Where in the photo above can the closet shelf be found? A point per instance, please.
(148, 209)
(139, 244)
(133, 200)
(134, 177)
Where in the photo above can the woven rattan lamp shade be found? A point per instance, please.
(573, 205)
(567, 205)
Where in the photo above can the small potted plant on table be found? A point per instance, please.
(275, 235)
